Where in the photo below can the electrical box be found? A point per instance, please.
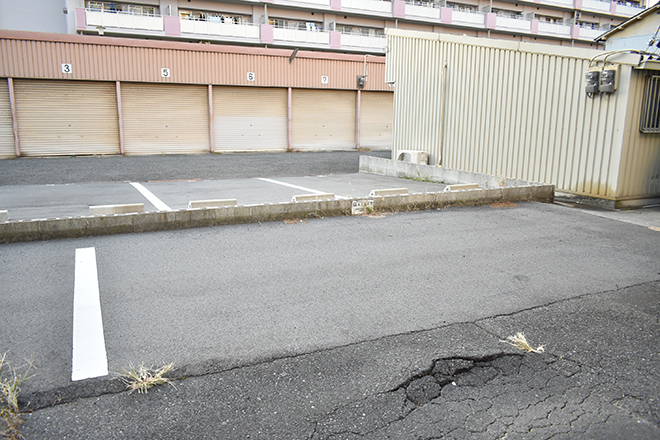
(360, 81)
(593, 79)
(609, 78)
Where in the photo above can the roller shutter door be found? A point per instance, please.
(249, 119)
(6, 126)
(323, 120)
(66, 117)
(376, 119)
(165, 118)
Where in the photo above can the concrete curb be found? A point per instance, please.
(73, 227)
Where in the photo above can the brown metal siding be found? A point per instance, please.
(249, 118)
(376, 117)
(165, 119)
(323, 119)
(64, 117)
(189, 63)
(6, 125)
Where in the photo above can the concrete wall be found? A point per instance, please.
(33, 15)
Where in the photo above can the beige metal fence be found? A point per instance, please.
(520, 110)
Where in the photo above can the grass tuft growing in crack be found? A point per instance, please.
(10, 387)
(520, 342)
(141, 379)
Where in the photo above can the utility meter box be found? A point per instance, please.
(593, 80)
(609, 78)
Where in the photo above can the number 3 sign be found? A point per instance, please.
(67, 68)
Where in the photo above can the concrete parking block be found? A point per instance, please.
(116, 209)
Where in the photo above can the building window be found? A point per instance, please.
(123, 7)
(462, 7)
(650, 119)
(296, 24)
(358, 30)
(215, 17)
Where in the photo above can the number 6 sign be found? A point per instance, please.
(250, 76)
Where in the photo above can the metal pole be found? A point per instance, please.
(14, 121)
(120, 118)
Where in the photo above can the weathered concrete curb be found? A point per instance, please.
(394, 168)
(72, 227)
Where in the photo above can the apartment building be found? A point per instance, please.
(354, 26)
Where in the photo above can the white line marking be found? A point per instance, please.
(302, 188)
(158, 203)
(89, 356)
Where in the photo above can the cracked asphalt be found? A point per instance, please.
(598, 378)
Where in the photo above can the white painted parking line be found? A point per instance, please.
(89, 356)
(158, 203)
(302, 188)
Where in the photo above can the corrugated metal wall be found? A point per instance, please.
(640, 161)
(64, 117)
(333, 128)
(376, 120)
(115, 59)
(165, 118)
(250, 119)
(510, 109)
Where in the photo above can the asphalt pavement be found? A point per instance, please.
(387, 327)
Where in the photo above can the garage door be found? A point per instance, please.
(6, 126)
(249, 119)
(376, 119)
(66, 117)
(165, 118)
(323, 120)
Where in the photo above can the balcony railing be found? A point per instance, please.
(596, 5)
(591, 33)
(565, 3)
(628, 10)
(363, 41)
(510, 22)
(466, 17)
(305, 2)
(301, 36)
(422, 9)
(123, 20)
(558, 29)
(367, 5)
(211, 28)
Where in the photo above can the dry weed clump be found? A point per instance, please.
(140, 379)
(10, 387)
(520, 342)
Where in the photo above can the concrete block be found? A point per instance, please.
(388, 192)
(312, 197)
(4, 216)
(461, 186)
(116, 209)
(218, 203)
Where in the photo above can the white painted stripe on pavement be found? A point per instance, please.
(302, 188)
(158, 203)
(89, 356)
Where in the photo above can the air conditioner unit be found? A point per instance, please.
(418, 157)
